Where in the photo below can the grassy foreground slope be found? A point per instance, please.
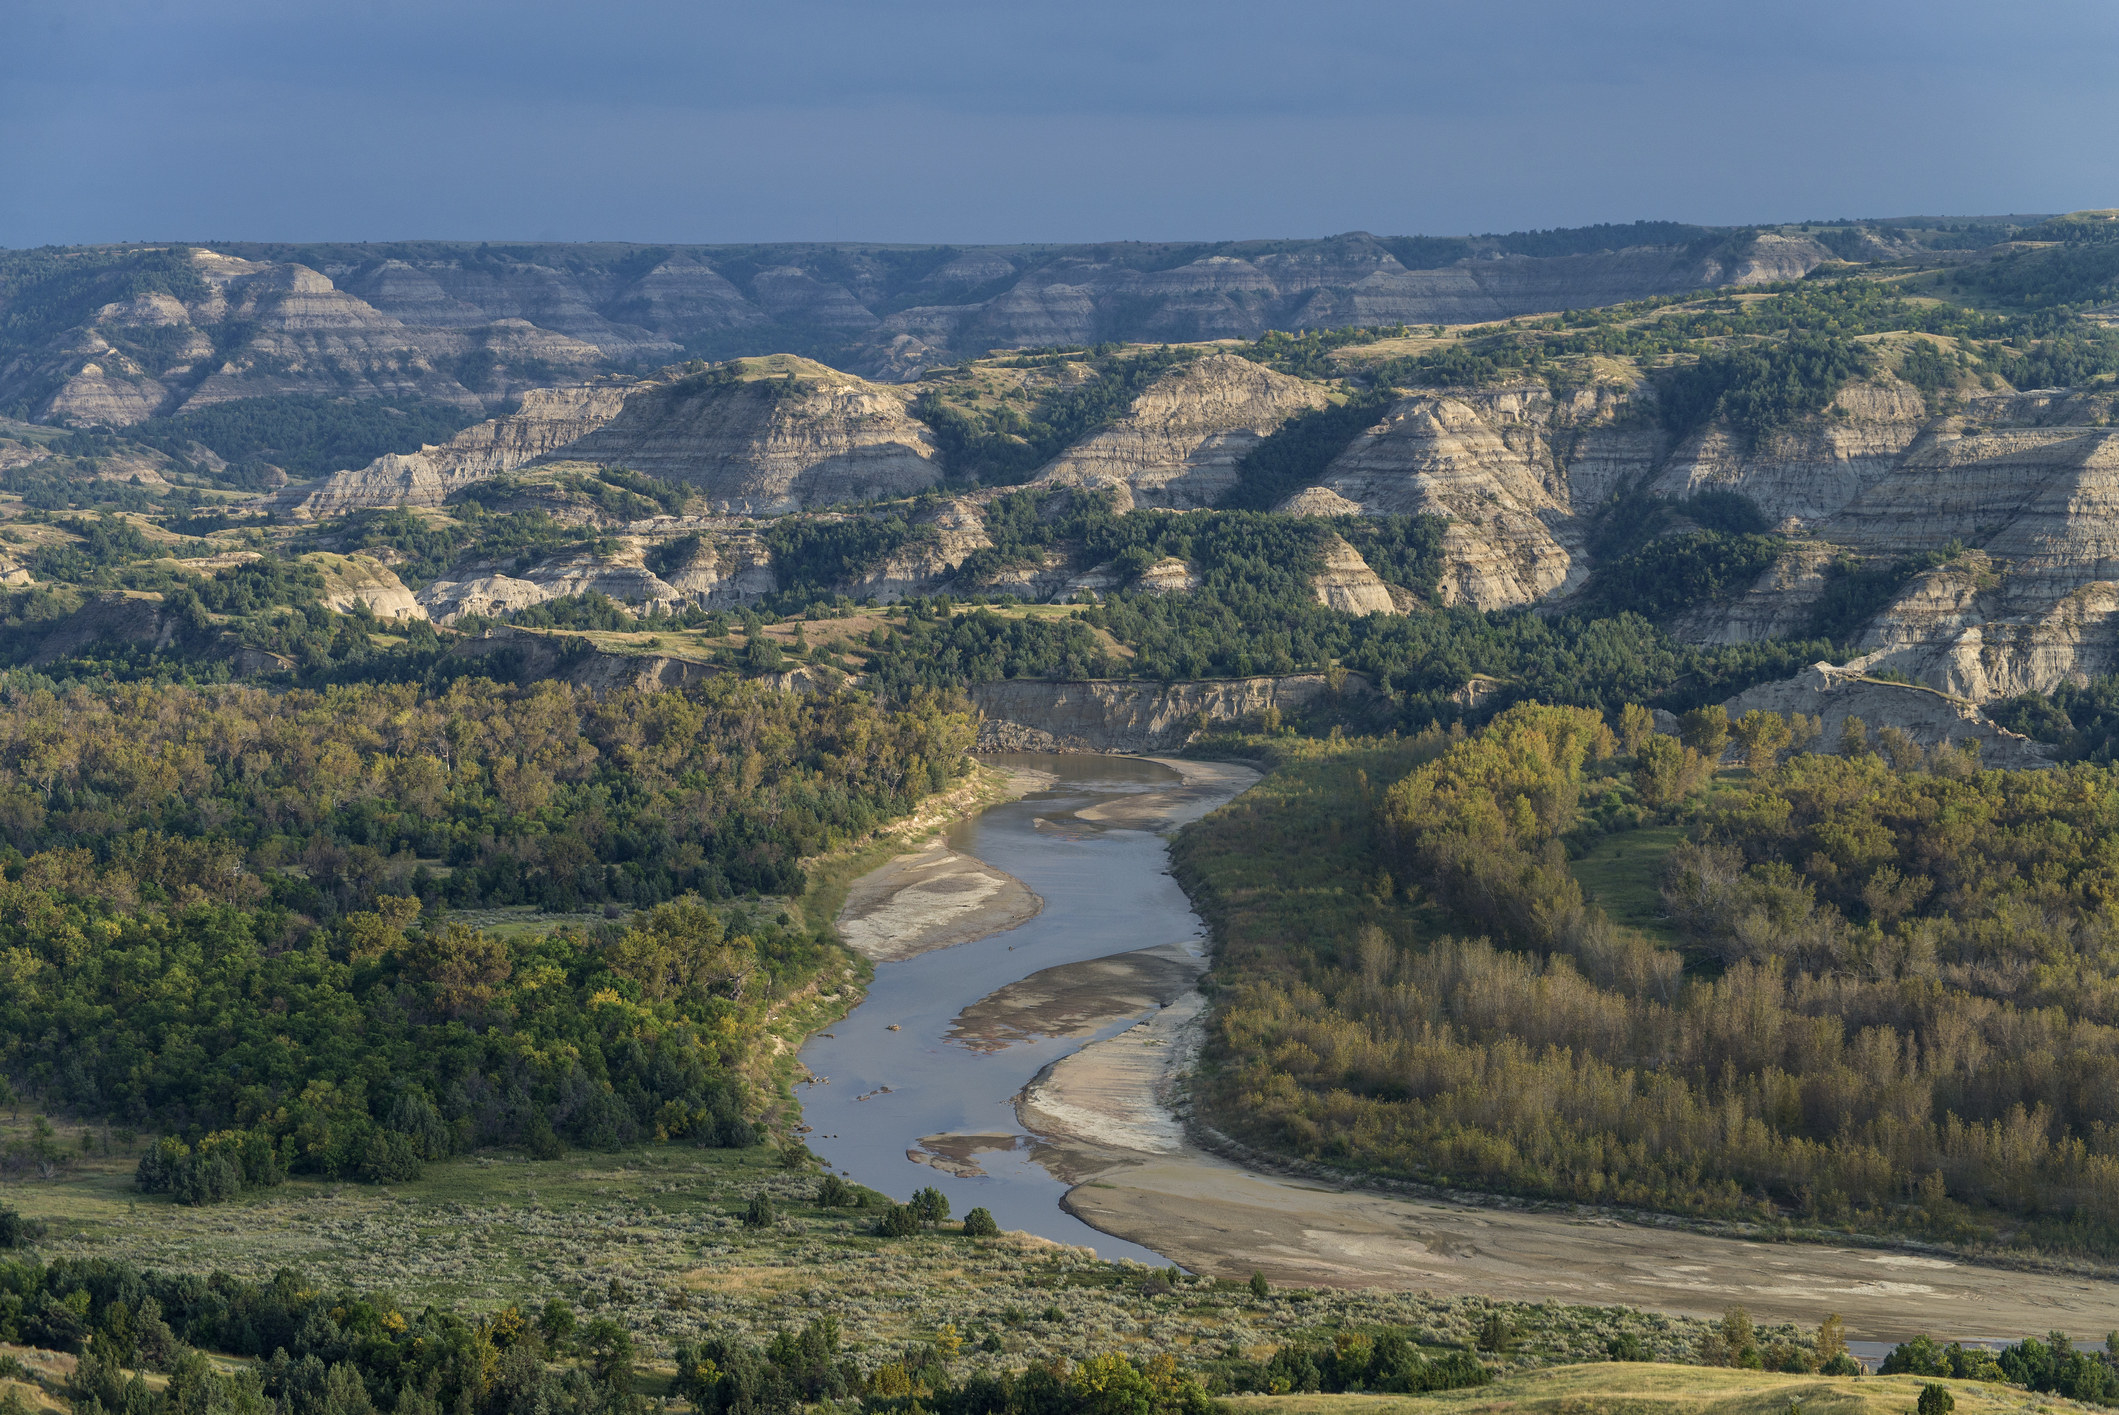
(1632, 1388)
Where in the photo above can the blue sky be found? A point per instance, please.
(928, 120)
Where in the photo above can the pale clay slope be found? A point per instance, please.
(303, 334)
(764, 448)
(2034, 478)
(1179, 444)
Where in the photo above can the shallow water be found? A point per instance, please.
(1105, 891)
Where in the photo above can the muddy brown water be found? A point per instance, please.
(1106, 891)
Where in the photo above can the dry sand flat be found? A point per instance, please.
(933, 899)
(1215, 1217)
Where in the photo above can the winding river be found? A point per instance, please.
(880, 1092)
(1018, 1058)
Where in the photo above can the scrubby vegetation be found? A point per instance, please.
(1886, 1002)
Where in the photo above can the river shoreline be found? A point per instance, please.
(1103, 1118)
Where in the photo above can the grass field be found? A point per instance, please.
(654, 1237)
(1620, 874)
(1626, 1388)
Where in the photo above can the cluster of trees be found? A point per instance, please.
(1308, 353)
(303, 434)
(1764, 361)
(1761, 388)
(1295, 454)
(310, 1350)
(363, 1050)
(1388, 1362)
(727, 1375)
(209, 916)
(476, 794)
(1885, 998)
(426, 547)
(2050, 1366)
(2080, 719)
(1418, 664)
(814, 556)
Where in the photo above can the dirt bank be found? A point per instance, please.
(1205, 785)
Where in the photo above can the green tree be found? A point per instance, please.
(1760, 736)
(931, 1205)
(1706, 731)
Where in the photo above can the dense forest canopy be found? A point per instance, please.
(226, 909)
(1886, 997)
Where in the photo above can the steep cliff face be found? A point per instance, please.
(770, 436)
(361, 579)
(549, 419)
(1778, 605)
(1036, 715)
(1813, 471)
(492, 591)
(1347, 583)
(894, 312)
(1179, 444)
(949, 533)
(1485, 461)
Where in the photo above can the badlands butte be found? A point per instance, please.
(1876, 401)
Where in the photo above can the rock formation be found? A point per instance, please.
(1179, 444)
(770, 436)
(549, 419)
(1486, 462)
(1036, 715)
(350, 579)
(465, 321)
(1347, 583)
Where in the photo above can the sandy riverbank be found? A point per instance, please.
(1105, 1116)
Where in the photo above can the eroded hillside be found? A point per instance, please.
(1890, 468)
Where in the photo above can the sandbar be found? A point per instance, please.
(935, 898)
(1078, 999)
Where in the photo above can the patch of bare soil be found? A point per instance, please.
(1215, 1217)
(1106, 1117)
(933, 899)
